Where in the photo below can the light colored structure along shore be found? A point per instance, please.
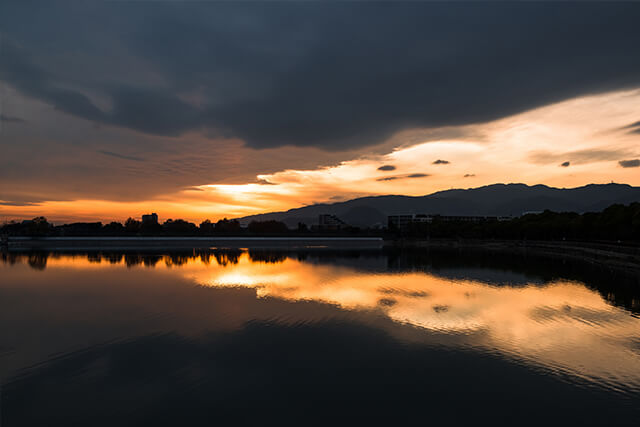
(404, 221)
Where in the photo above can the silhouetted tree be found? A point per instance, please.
(113, 228)
(206, 227)
(132, 225)
(39, 226)
(150, 227)
(228, 225)
(271, 226)
(80, 229)
(179, 226)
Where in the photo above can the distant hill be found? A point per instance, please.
(496, 199)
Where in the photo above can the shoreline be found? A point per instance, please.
(614, 255)
(618, 256)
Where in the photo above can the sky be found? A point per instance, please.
(223, 109)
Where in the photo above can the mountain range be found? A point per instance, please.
(496, 199)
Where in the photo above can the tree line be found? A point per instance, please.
(615, 223)
(39, 226)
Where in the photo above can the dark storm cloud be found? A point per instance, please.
(10, 119)
(441, 162)
(17, 69)
(120, 156)
(565, 164)
(334, 75)
(387, 168)
(629, 163)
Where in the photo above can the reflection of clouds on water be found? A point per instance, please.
(581, 314)
(560, 325)
(491, 277)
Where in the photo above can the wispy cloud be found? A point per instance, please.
(634, 163)
(121, 156)
(10, 119)
(633, 127)
(17, 203)
(441, 162)
(413, 175)
(265, 182)
(579, 157)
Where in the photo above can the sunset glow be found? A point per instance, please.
(521, 148)
(319, 212)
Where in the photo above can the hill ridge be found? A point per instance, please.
(493, 199)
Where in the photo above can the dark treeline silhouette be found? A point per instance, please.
(615, 223)
(172, 227)
(132, 227)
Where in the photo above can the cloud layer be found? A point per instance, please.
(196, 184)
(332, 75)
(202, 109)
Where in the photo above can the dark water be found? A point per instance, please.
(316, 338)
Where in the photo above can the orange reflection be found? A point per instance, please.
(562, 326)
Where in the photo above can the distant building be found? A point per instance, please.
(403, 222)
(330, 222)
(399, 222)
(150, 219)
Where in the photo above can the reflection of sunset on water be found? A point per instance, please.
(561, 325)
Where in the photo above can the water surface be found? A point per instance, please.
(316, 336)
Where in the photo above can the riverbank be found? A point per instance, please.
(620, 256)
(614, 255)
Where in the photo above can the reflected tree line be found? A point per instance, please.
(619, 287)
(223, 257)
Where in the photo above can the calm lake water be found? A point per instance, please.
(239, 337)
